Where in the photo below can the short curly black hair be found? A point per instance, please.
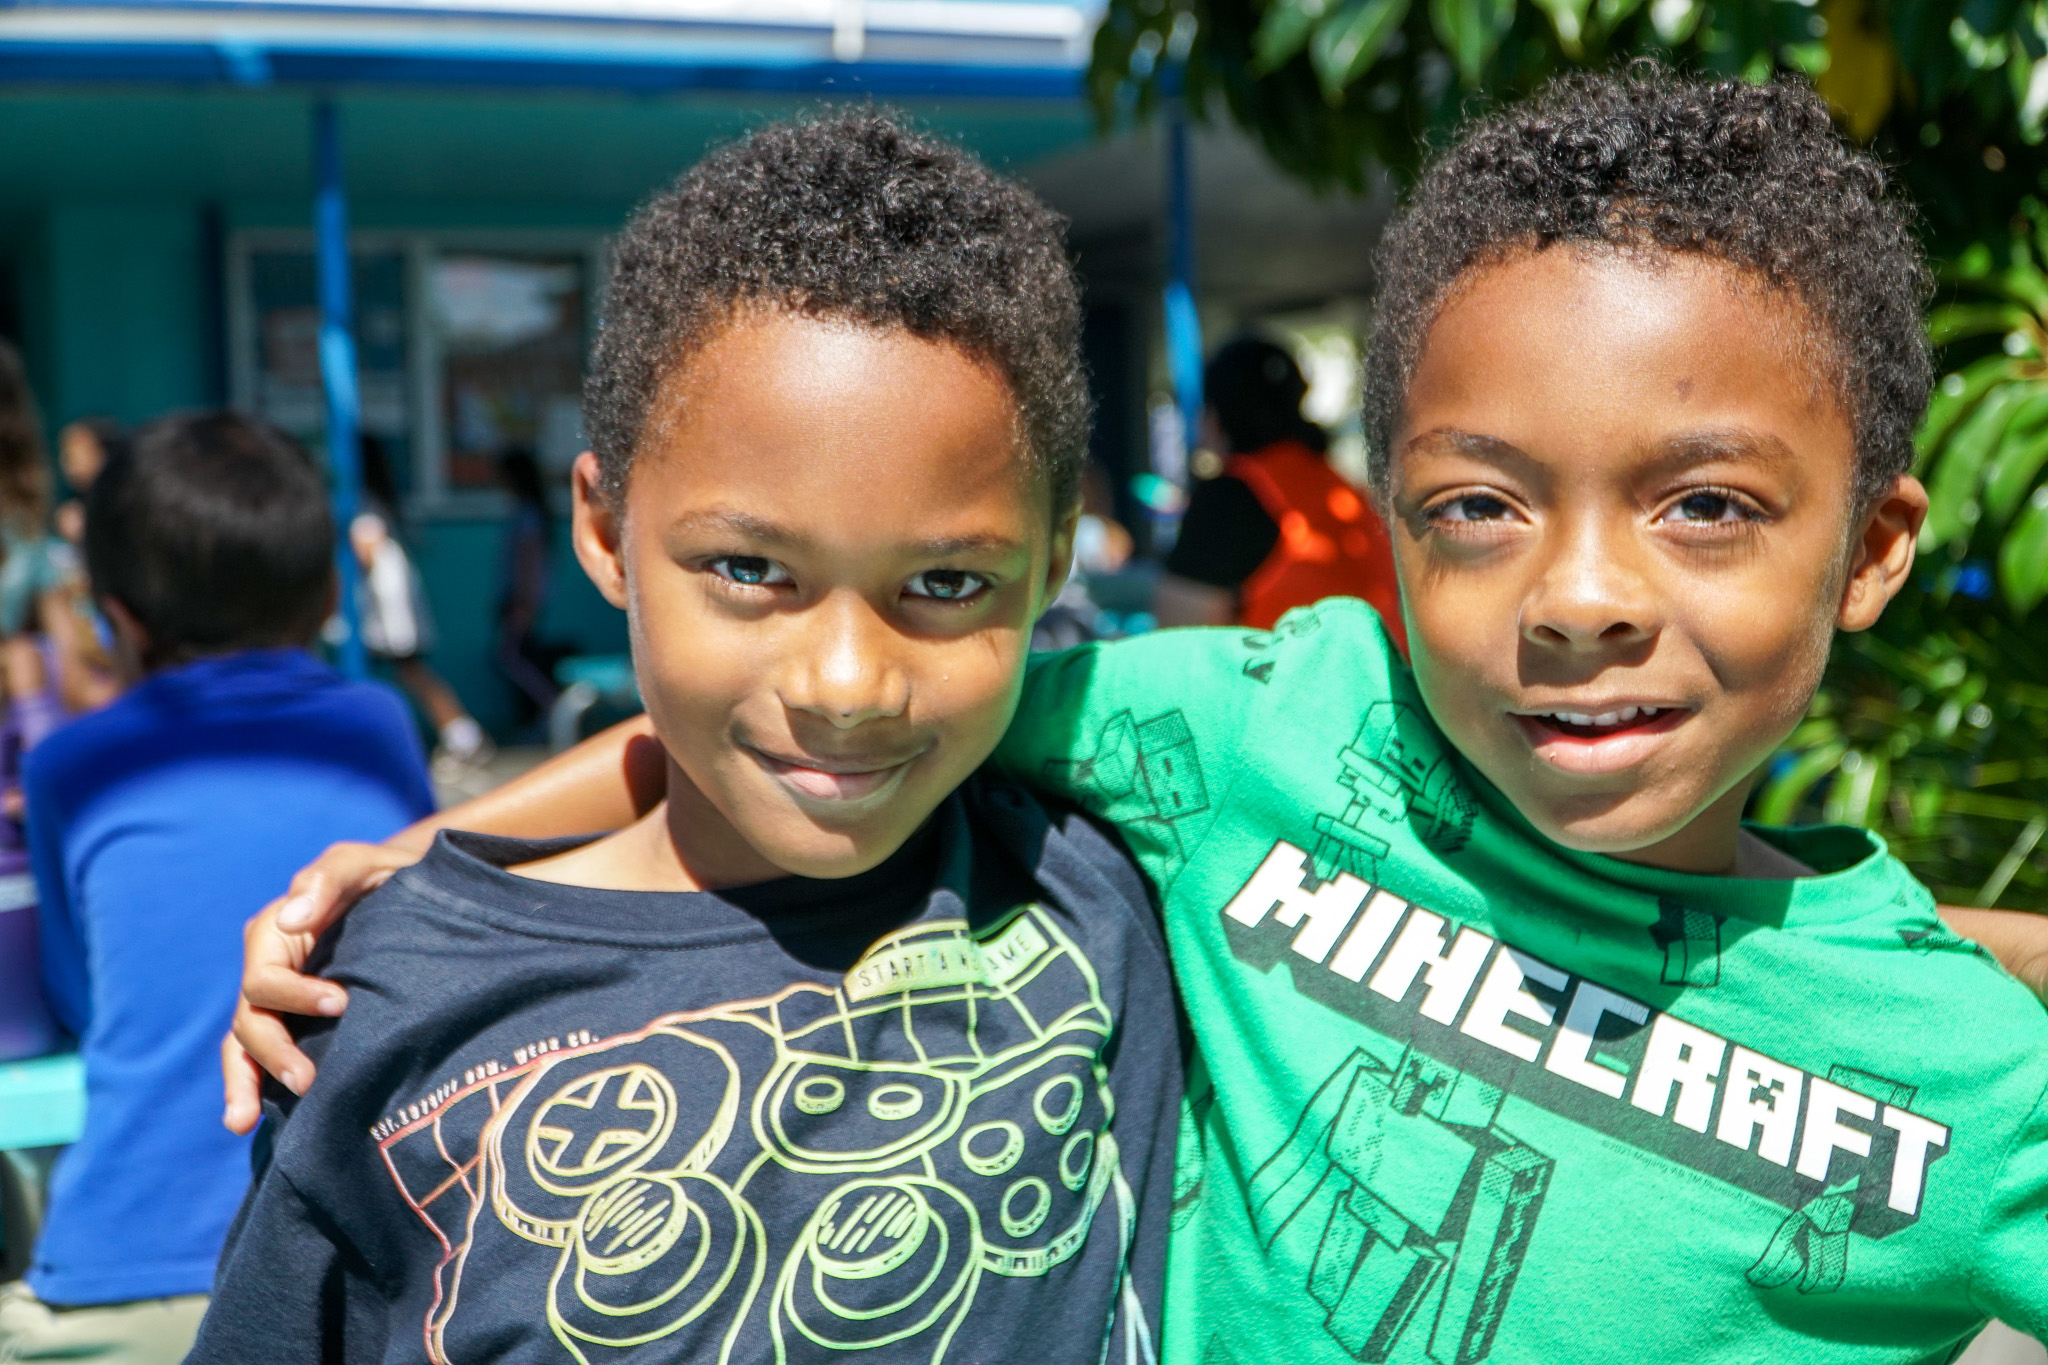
(1755, 175)
(850, 216)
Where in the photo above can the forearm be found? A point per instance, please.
(604, 783)
(2018, 940)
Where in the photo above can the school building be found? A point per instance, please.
(157, 231)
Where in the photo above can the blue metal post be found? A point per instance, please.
(338, 367)
(1183, 322)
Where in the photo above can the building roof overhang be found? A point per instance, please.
(996, 48)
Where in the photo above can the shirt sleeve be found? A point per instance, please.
(1224, 536)
(2012, 1243)
(1138, 732)
(1151, 732)
(285, 1289)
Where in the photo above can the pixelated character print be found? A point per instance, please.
(1144, 775)
(1809, 1248)
(1398, 773)
(1415, 1205)
(1691, 942)
(827, 1169)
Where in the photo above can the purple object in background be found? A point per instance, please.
(26, 1027)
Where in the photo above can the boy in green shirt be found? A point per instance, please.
(1517, 1046)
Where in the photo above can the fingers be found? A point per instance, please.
(275, 945)
(243, 1084)
(268, 1044)
(323, 891)
(276, 988)
(272, 970)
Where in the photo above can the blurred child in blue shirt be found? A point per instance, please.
(155, 827)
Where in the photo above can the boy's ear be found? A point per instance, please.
(131, 638)
(1882, 555)
(594, 530)
(1061, 564)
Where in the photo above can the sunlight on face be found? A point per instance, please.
(831, 551)
(1626, 535)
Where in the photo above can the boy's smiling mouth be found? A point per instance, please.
(1596, 739)
(811, 777)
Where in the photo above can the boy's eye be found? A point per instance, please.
(1471, 507)
(1709, 507)
(749, 571)
(947, 585)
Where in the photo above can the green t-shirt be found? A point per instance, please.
(1468, 1096)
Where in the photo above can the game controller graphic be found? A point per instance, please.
(823, 1169)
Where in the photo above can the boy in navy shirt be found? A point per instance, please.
(844, 1052)
(153, 825)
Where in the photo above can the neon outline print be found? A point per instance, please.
(941, 1117)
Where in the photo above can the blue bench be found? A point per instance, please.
(42, 1108)
(42, 1101)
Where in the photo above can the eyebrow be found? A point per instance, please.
(968, 545)
(773, 534)
(745, 523)
(1684, 451)
(1491, 449)
(1735, 446)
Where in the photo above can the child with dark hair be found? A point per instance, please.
(1516, 1044)
(842, 1050)
(153, 824)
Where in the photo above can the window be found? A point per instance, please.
(467, 347)
(511, 333)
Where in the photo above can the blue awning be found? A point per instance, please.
(993, 48)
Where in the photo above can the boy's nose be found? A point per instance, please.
(1589, 593)
(846, 670)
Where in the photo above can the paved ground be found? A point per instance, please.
(453, 786)
(2000, 1345)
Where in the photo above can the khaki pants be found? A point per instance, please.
(147, 1332)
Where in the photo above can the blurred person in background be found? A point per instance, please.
(33, 563)
(153, 825)
(397, 626)
(80, 642)
(1278, 528)
(523, 656)
(26, 1026)
(1101, 549)
(82, 450)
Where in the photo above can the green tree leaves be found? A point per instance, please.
(1471, 32)
(1932, 728)
(1984, 446)
(1333, 88)
(2023, 555)
(1351, 40)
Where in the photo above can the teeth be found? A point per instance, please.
(1626, 715)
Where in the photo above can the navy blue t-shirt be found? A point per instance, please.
(922, 1114)
(157, 826)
